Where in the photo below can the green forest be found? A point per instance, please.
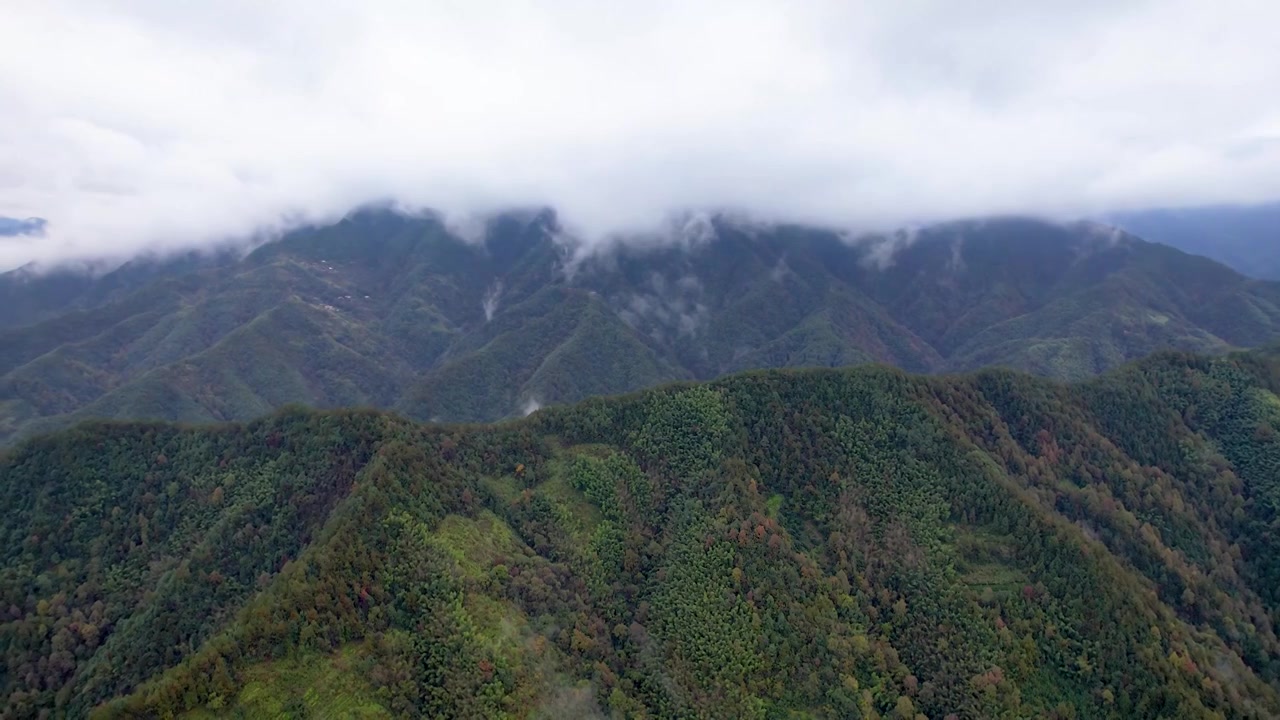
(395, 312)
(855, 543)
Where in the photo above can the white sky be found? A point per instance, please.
(135, 124)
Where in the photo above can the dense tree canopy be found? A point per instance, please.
(776, 544)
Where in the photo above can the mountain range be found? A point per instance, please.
(855, 543)
(404, 312)
(1245, 237)
(10, 227)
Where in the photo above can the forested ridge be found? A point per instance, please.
(775, 544)
(1246, 238)
(404, 313)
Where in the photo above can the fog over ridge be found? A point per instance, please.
(149, 125)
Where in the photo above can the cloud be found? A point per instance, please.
(531, 406)
(490, 301)
(152, 124)
(881, 249)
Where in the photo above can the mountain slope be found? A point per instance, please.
(394, 311)
(559, 346)
(32, 294)
(1246, 238)
(853, 543)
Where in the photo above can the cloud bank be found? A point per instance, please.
(149, 124)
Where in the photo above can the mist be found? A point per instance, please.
(146, 125)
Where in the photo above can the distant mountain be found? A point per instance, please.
(14, 226)
(1246, 238)
(31, 293)
(856, 543)
(396, 312)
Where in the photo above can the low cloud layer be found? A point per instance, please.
(143, 124)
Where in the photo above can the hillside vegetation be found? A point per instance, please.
(398, 312)
(775, 544)
(1245, 237)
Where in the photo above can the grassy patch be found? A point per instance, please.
(584, 515)
(311, 685)
(506, 487)
(984, 561)
(774, 505)
(475, 544)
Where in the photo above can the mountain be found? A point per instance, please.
(394, 311)
(10, 227)
(817, 543)
(1246, 238)
(32, 294)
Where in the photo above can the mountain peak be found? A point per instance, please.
(392, 309)
(10, 227)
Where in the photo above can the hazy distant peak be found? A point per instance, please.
(10, 227)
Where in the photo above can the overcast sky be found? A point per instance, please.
(153, 123)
